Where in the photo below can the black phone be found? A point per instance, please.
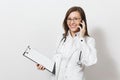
(81, 26)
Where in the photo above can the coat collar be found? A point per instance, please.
(76, 34)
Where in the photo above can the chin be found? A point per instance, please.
(74, 30)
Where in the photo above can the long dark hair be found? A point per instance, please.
(65, 26)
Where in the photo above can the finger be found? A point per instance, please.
(37, 65)
(79, 27)
(42, 68)
(83, 24)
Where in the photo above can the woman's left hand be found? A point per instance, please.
(82, 29)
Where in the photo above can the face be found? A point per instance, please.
(73, 21)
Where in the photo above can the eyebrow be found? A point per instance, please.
(74, 17)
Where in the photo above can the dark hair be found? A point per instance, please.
(65, 26)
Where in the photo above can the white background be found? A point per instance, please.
(39, 23)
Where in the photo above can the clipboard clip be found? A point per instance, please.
(27, 50)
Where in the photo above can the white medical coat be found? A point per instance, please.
(68, 56)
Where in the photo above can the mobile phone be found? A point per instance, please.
(81, 26)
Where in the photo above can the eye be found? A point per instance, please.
(75, 18)
(69, 19)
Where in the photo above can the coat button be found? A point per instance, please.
(75, 34)
(81, 40)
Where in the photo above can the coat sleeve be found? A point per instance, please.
(89, 53)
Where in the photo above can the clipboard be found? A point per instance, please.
(39, 58)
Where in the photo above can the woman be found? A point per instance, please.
(76, 49)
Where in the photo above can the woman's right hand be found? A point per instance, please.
(40, 67)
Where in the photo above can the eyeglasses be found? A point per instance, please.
(74, 19)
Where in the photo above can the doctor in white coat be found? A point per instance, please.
(76, 49)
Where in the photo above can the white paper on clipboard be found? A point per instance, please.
(39, 58)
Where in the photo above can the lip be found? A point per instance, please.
(72, 26)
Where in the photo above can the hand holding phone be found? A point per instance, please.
(82, 28)
(81, 24)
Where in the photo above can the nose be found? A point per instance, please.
(72, 21)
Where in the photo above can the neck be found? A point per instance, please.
(72, 34)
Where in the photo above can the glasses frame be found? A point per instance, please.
(74, 19)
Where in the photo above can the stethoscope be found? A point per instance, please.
(79, 62)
